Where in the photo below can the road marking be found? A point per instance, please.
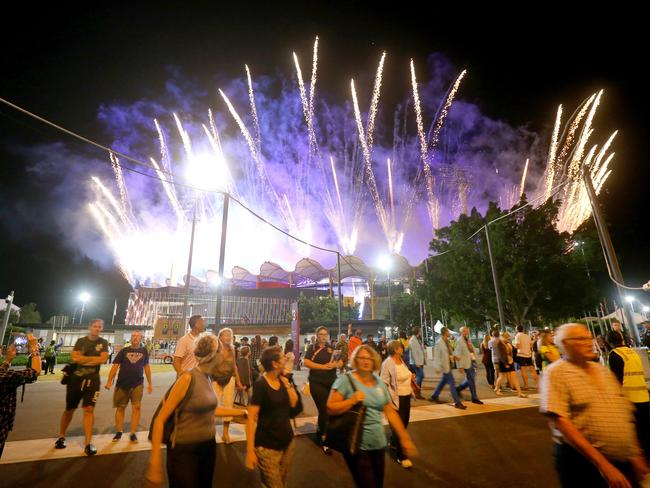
(43, 449)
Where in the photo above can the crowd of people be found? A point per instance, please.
(600, 420)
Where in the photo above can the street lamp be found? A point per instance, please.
(385, 262)
(84, 297)
(630, 299)
(581, 245)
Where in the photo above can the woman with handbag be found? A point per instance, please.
(191, 447)
(366, 460)
(322, 364)
(269, 436)
(506, 366)
(398, 378)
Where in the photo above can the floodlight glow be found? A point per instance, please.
(629, 299)
(84, 296)
(384, 262)
(208, 172)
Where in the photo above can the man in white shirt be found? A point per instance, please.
(417, 357)
(525, 356)
(184, 359)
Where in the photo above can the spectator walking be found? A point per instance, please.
(368, 464)
(417, 357)
(225, 377)
(245, 372)
(322, 365)
(192, 452)
(506, 365)
(133, 364)
(591, 421)
(524, 356)
(467, 362)
(443, 361)
(184, 358)
(486, 359)
(397, 377)
(290, 359)
(343, 346)
(355, 340)
(50, 357)
(269, 436)
(83, 385)
(547, 349)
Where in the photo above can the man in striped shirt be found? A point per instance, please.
(590, 419)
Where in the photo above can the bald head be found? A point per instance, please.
(575, 342)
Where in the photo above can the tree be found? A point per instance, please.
(540, 276)
(406, 310)
(324, 309)
(29, 314)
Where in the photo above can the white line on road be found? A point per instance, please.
(43, 449)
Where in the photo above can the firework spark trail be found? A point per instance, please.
(113, 201)
(568, 141)
(445, 110)
(97, 215)
(119, 178)
(213, 129)
(522, 187)
(251, 98)
(109, 217)
(587, 130)
(164, 153)
(374, 102)
(370, 176)
(185, 137)
(312, 84)
(305, 106)
(432, 204)
(169, 190)
(552, 153)
(599, 177)
(604, 149)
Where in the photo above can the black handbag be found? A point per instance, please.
(344, 431)
(67, 372)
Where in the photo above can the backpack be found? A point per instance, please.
(169, 428)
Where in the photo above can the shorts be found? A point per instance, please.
(506, 368)
(524, 361)
(82, 389)
(121, 396)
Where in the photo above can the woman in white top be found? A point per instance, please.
(398, 377)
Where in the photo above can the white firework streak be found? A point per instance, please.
(97, 214)
(119, 178)
(599, 177)
(390, 191)
(170, 191)
(587, 130)
(251, 98)
(445, 109)
(370, 176)
(432, 204)
(185, 137)
(164, 154)
(522, 187)
(604, 149)
(109, 217)
(305, 106)
(113, 201)
(312, 84)
(261, 169)
(568, 141)
(552, 153)
(374, 102)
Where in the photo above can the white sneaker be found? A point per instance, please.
(406, 463)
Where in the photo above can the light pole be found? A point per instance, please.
(630, 299)
(385, 263)
(84, 297)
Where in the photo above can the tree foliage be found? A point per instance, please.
(406, 310)
(324, 309)
(541, 273)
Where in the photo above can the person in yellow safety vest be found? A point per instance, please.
(626, 365)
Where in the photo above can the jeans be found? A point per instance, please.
(447, 378)
(419, 374)
(367, 468)
(470, 380)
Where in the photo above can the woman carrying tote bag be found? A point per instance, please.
(367, 464)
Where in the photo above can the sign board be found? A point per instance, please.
(295, 332)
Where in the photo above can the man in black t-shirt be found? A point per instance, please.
(88, 355)
(133, 364)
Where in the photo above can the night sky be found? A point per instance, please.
(63, 63)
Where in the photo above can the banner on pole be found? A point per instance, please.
(295, 332)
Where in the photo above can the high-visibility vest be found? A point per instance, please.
(634, 386)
